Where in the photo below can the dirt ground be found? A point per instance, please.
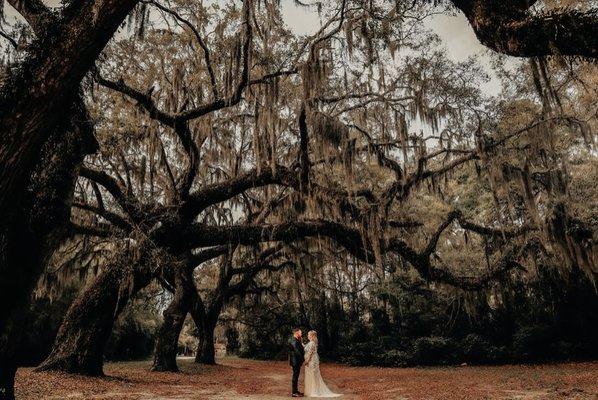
(245, 379)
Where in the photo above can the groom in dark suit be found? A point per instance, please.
(296, 359)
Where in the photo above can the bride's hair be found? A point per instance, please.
(313, 335)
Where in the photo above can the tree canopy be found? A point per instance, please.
(208, 149)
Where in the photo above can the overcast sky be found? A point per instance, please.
(457, 35)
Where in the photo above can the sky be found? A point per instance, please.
(455, 31)
(457, 35)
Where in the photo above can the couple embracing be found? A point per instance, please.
(307, 356)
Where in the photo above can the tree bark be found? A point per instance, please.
(198, 351)
(205, 321)
(174, 317)
(206, 353)
(85, 330)
(33, 229)
(511, 28)
(41, 91)
(38, 162)
(7, 378)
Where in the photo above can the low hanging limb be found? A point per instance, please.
(188, 236)
(350, 238)
(471, 226)
(510, 27)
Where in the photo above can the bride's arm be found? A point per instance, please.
(310, 353)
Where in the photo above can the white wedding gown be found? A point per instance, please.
(314, 384)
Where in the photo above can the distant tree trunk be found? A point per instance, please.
(205, 321)
(174, 317)
(7, 378)
(336, 316)
(200, 345)
(198, 313)
(206, 354)
(85, 330)
(302, 310)
(322, 322)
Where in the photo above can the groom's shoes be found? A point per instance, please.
(298, 394)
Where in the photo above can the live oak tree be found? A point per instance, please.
(557, 163)
(42, 116)
(158, 193)
(349, 107)
(231, 283)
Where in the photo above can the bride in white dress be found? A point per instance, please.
(314, 384)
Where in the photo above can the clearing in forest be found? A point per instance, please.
(247, 379)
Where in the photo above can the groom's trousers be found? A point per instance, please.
(296, 372)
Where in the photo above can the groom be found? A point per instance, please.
(296, 359)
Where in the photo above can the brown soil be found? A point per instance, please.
(245, 379)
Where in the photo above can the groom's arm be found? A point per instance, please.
(292, 349)
(298, 349)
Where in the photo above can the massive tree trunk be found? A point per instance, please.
(37, 159)
(85, 330)
(174, 317)
(40, 92)
(31, 232)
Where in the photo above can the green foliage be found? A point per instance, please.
(133, 334)
(475, 349)
(45, 320)
(531, 342)
(547, 318)
(435, 350)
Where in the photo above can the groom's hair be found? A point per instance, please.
(295, 330)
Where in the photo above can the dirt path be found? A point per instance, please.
(251, 380)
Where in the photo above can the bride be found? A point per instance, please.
(314, 384)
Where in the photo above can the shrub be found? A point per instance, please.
(132, 336)
(474, 349)
(263, 348)
(497, 354)
(397, 358)
(435, 350)
(532, 343)
(361, 354)
(385, 352)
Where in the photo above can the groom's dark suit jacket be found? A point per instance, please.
(296, 357)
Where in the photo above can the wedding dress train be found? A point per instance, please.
(314, 384)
